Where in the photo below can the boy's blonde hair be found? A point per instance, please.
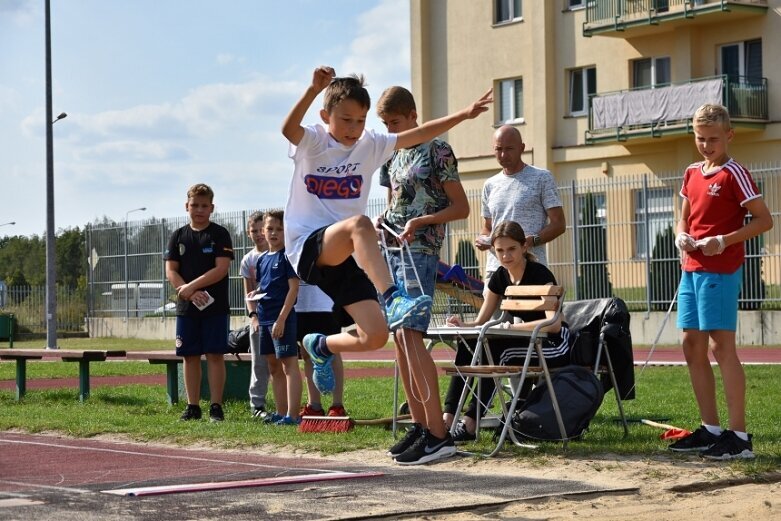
(396, 100)
(200, 189)
(712, 114)
(349, 87)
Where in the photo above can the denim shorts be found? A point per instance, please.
(281, 347)
(709, 301)
(196, 336)
(426, 267)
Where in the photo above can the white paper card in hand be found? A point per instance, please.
(207, 304)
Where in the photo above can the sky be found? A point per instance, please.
(164, 94)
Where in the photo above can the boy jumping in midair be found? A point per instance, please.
(330, 242)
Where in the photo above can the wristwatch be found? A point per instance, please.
(252, 314)
(536, 240)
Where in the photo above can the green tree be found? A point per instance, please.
(71, 257)
(665, 270)
(594, 280)
(467, 259)
(753, 292)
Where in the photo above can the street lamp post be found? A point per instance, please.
(51, 257)
(127, 285)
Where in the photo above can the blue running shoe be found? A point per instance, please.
(323, 375)
(402, 307)
(272, 417)
(287, 420)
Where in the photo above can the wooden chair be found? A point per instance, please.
(516, 298)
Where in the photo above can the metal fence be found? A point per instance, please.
(619, 240)
(28, 305)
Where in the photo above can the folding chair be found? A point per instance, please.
(598, 323)
(516, 298)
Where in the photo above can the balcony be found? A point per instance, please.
(653, 112)
(632, 18)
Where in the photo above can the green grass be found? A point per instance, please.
(141, 413)
(110, 344)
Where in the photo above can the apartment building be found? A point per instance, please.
(603, 90)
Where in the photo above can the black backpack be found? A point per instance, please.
(579, 394)
(238, 340)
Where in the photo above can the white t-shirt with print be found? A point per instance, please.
(330, 183)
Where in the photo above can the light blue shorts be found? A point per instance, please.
(709, 301)
(426, 266)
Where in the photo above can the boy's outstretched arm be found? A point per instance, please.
(433, 128)
(292, 128)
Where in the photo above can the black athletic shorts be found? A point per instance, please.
(316, 322)
(346, 283)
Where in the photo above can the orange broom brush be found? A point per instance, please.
(339, 424)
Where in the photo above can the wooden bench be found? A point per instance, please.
(83, 357)
(171, 361)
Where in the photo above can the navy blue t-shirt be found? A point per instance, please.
(273, 271)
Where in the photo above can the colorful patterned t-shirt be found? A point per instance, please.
(416, 176)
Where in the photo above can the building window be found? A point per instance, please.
(662, 6)
(510, 101)
(592, 209)
(659, 202)
(576, 4)
(742, 59)
(582, 84)
(508, 10)
(651, 72)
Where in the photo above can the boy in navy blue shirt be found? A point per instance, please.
(276, 321)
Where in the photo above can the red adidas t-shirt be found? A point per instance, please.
(717, 201)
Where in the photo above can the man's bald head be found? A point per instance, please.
(508, 149)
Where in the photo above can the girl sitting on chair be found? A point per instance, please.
(518, 267)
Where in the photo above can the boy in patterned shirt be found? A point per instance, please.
(424, 193)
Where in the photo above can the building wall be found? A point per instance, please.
(458, 52)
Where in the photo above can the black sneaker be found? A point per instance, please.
(258, 412)
(699, 440)
(461, 435)
(427, 448)
(729, 446)
(192, 412)
(414, 432)
(215, 413)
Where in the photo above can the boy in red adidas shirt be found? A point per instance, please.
(717, 194)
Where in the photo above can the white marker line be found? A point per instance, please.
(164, 456)
(49, 487)
(224, 485)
